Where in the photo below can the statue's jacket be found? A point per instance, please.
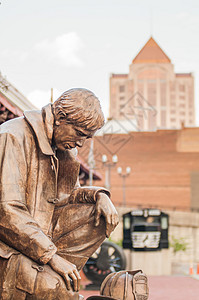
(33, 180)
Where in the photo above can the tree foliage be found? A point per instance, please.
(178, 244)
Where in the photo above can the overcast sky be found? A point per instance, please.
(78, 43)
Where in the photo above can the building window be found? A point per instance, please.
(181, 88)
(151, 94)
(122, 98)
(173, 111)
(182, 105)
(163, 93)
(163, 118)
(173, 99)
(121, 88)
(182, 113)
(182, 97)
(172, 87)
(173, 120)
(122, 109)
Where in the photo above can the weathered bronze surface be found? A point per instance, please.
(124, 285)
(49, 225)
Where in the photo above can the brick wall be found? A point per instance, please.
(160, 174)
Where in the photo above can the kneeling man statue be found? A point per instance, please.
(49, 225)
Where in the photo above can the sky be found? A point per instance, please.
(64, 44)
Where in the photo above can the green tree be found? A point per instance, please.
(178, 244)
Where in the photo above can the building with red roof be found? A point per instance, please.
(152, 93)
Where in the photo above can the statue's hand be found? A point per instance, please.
(104, 207)
(67, 270)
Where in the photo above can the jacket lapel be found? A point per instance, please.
(42, 125)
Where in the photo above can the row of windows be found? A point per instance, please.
(173, 120)
(152, 118)
(181, 113)
(174, 103)
(181, 87)
(152, 100)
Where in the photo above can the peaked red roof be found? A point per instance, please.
(151, 53)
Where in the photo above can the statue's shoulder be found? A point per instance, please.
(17, 128)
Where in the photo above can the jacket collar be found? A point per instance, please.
(42, 125)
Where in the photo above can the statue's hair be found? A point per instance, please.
(79, 107)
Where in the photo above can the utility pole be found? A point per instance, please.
(51, 96)
(124, 175)
(108, 166)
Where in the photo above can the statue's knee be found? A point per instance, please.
(47, 283)
(52, 286)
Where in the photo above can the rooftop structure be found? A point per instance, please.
(12, 102)
(152, 93)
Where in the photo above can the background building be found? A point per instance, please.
(164, 175)
(164, 167)
(152, 93)
(12, 101)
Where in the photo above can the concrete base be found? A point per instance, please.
(152, 263)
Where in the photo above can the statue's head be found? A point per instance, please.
(78, 115)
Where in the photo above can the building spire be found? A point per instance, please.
(151, 53)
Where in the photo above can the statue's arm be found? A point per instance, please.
(87, 194)
(103, 205)
(18, 229)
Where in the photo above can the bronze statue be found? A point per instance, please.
(49, 225)
(128, 285)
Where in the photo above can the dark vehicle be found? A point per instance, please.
(145, 230)
(108, 258)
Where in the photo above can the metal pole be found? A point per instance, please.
(51, 97)
(108, 167)
(107, 178)
(124, 175)
(124, 189)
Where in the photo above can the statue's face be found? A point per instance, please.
(68, 136)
